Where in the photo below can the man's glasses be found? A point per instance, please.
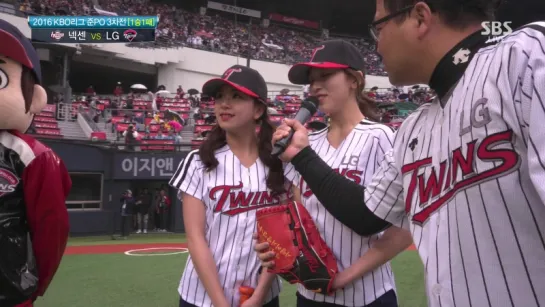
(373, 26)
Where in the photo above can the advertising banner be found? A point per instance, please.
(294, 21)
(149, 166)
(233, 9)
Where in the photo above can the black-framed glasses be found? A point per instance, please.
(374, 31)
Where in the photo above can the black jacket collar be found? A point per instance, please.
(453, 65)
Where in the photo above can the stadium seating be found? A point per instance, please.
(179, 28)
(45, 124)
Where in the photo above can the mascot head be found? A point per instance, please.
(21, 93)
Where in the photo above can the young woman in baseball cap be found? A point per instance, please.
(221, 186)
(353, 144)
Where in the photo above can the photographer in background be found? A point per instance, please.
(127, 207)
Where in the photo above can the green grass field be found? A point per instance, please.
(118, 280)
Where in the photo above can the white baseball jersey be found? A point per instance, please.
(356, 158)
(467, 175)
(231, 194)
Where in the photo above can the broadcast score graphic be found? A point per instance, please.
(93, 29)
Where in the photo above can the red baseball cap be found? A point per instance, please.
(19, 48)
(332, 54)
(244, 79)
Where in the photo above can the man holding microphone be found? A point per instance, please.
(468, 167)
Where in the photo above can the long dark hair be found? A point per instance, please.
(367, 106)
(216, 139)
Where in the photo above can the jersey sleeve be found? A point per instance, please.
(291, 174)
(188, 178)
(46, 186)
(532, 96)
(385, 144)
(384, 194)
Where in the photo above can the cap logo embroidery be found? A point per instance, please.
(315, 51)
(229, 72)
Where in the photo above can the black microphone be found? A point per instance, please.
(309, 106)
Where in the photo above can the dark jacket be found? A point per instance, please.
(33, 219)
(145, 203)
(127, 205)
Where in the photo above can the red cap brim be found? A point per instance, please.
(299, 73)
(12, 48)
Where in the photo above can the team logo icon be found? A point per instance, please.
(57, 35)
(229, 72)
(8, 182)
(129, 34)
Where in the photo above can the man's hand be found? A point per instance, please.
(298, 142)
(266, 258)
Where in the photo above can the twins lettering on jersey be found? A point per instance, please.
(352, 174)
(240, 201)
(443, 184)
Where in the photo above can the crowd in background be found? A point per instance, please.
(180, 28)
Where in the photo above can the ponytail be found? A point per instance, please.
(367, 106)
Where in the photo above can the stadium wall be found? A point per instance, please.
(116, 177)
(186, 66)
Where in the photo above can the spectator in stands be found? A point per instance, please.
(178, 140)
(215, 33)
(93, 110)
(160, 136)
(180, 91)
(90, 91)
(130, 136)
(156, 120)
(170, 135)
(118, 91)
(144, 201)
(163, 208)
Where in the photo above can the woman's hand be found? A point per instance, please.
(298, 141)
(253, 301)
(341, 280)
(266, 257)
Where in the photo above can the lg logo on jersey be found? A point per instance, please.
(478, 118)
(459, 172)
(350, 160)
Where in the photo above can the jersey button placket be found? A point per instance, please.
(242, 220)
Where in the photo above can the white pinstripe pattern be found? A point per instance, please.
(358, 156)
(228, 233)
(484, 246)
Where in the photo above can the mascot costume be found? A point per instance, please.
(34, 182)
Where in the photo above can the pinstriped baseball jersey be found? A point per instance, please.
(357, 157)
(231, 194)
(467, 176)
